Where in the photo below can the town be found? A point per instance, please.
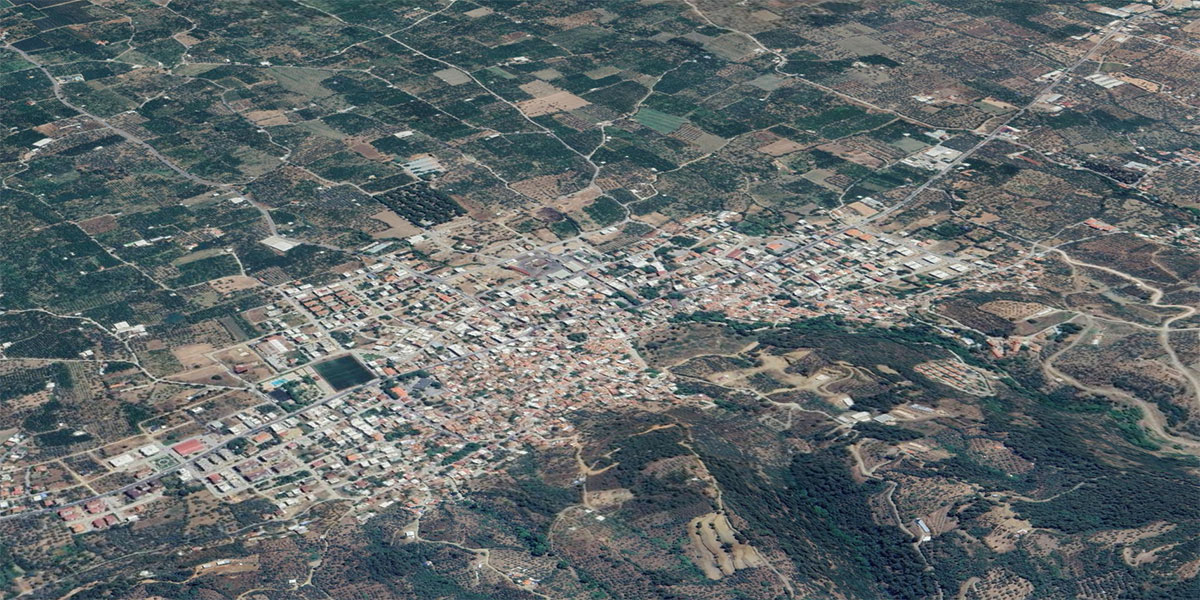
(382, 387)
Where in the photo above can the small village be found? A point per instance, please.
(435, 386)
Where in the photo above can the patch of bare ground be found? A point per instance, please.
(940, 521)
(1144, 557)
(1013, 310)
(247, 364)
(192, 356)
(204, 510)
(995, 454)
(1007, 529)
(120, 447)
(98, 225)
(673, 345)
(922, 498)
(1122, 537)
(715, 548)
(398, 227)
(607, 499)
(554, 102)
(267, 118)
(212, 374)
(234, 283)
(997, 584)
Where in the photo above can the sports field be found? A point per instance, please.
(343, 372)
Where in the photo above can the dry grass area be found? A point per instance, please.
(1121, 537)
(574, 203)
(928, 499)
(1144, 557)
(241, 565)
(1189, 570)
(999, 584)
(771, 364)
(995, 454)
(1011, 310)
(716, 550)
(267, 118)
(781, 147)
(368, 151)
(214, 374)
(52, 477)
(398, 227)
(234, 283)
(452, 76)
(98, 225)
(852, 154)
(578, 19)
(673, 345)
(203, 510)
(121, 447)
(774, 374)
(545, 188)
(192, 356)
(1007, 528)
(956, 374)
(241, 356)
(611, 498)
(940, 521)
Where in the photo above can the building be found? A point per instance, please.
(189, 447)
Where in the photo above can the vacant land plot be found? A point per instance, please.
(301, 81)
(1014, 311)
(556, 102)
(717, 550)
(780, 147)
(452, 76)
(659, 121)
(398, 227)
(234, 283)
(192, 356)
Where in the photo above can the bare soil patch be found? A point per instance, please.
(556, 102)
(234, 283)
(715, 548)
(398, 227)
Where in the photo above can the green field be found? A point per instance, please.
(659, 121)
(343, 372)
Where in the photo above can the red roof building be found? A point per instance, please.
(189, 447)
